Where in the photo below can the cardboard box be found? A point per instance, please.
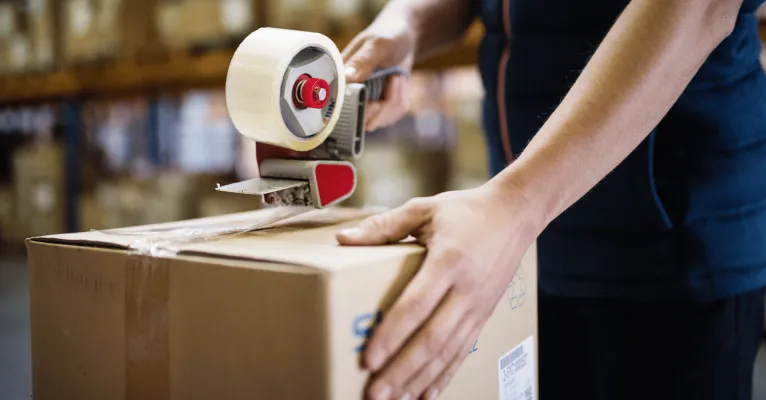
(303, 15)
(89, 29)
(409, 172)
(189, 23)
(348, 17)
(222, 203)
(165, 197)
(97, 29)
(137, 31)
(42, 32)
(90, 213)
(15, 52)
(280, 313)
(38, 177)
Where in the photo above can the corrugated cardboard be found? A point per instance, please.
(273, 314)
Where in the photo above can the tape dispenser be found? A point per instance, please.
(287, 91)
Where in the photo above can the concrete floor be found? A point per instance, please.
(15, 380)
(15, 370)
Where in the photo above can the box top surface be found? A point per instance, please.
(295, 236)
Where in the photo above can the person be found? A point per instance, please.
(628, 140)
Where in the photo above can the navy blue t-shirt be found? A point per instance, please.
(684, 216)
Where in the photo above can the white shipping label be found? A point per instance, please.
(516, 372)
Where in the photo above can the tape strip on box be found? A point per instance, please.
(167, 242)
(147, 284)
(147, 347)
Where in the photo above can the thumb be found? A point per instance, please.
(363, 62)
(389, 227)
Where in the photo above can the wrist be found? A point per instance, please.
(516, 198)
(399, 21)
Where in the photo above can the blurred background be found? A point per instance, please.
(112, 114)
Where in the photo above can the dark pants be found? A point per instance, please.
(617, 350)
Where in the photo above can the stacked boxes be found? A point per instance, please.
(191, 23)
(98, 29)
(39, 189)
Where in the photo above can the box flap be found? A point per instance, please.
(298, 236)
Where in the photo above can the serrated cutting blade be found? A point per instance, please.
(261, 186)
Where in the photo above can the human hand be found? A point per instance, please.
(388, 42)
(475, 241)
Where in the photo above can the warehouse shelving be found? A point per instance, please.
(148, 76)
(172, 70)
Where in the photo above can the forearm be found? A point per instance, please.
(438, 24)
(639, 71)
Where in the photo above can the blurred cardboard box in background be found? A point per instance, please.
(39, 188)
(167, 196)
(26, 36)
(304, 15)
(98, 29)
(188, 23)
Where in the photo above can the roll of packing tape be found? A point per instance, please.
(270, 74)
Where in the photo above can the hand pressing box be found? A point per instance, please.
(172, 311)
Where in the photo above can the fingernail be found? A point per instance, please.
(382, 393)
(432, 394)
(406, 396)
(350, 71)
(351, 232)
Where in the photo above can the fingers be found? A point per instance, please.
(372, 111)
(415, 305)
(352, 47)
(428, 353)
(396, 104)
(362, 57)
(364, 61)
(443, 380)
(389, 227)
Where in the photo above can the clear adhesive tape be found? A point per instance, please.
(254, 83)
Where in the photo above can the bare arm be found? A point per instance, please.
(437, 24)
(440, 24)
(404, 32)
(640, 70)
